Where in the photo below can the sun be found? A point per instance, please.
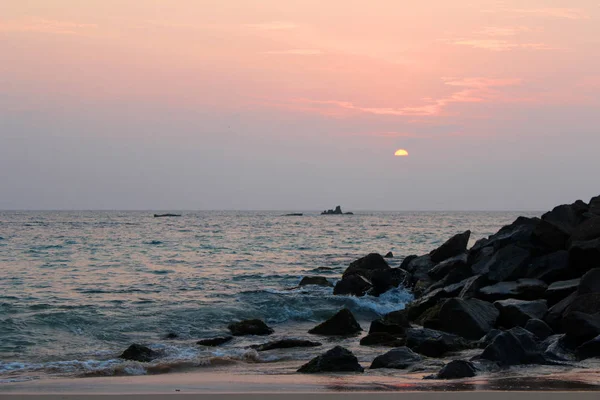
(401, 153)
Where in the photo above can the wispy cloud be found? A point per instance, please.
(298, 52)
(551, 12)
(504, 31)
(43, 25)
(500, 45)
(273, 26)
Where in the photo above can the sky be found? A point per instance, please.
(299, 105)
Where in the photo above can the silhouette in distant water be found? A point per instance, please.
(166, 215)
(337, 211)
(294, 215)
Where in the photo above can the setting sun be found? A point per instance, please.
(401, 153)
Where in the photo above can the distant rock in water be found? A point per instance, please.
(250, 327)
(315, 280)
(166, 215)
(285, 344)
(293, 215)
(343, 323)
(337, 211)
(212, 342)
(137, 352)
(171, 335)
(337, 359)
(389, 255)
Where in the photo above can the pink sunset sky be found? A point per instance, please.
(272, 104)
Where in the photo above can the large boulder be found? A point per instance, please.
(137, 352)
(587, 303)
(445, 267)
(315, 280)
(590, 282)
(522, 289)
(366, 266)
(216, 341)
(567, 216)
(382, 339)
(584, 255)
(590, 349)
(557, 291)
(556, 312)
(549, 237)
(581, 327)
(513, 347)
(456, 245)
(470, 319)
(507, 263)
(386, 279)
(472, 286)
(457, 369)
(250, 327)
(419, 267)
(419, 306)
(558, 348)
(589, 229)
(550, 267)
(355, 285)
(285, 344)
(394, 323)
(517, 312)
(337, 359)
(519, 232)
(399, 358)
(433, 343)
(539, 328)
(594, 207)
(342, 323)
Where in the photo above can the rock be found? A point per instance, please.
(589, 229)
(520, 231)
(137, 352)
(419, 267)
(341, 324)
(518, 312)
(472, 286)
(539, 328)
(584, 255)
(406, 261)
(285, 344)
(558, 348)
(587, 303)
(171, 336)
(457, 369)
(430, 318)
(513, 347)
(419, 306)
(366, 266)
(249, 327)
(354, 285)
(470, 319)
(594, 207)
(217, 341)
(556, 312)
(433, 343)
(581, 327)
(550, 267)
(590, 282)
(549, 236)
(456, 245)
(315, 280)
(337, 359)
(382, 339)
(389, 254)
(523, 289)
(384, 280)
(488, 338)
(394, 323)
(445, 267)
(590, 349)
(337, 211)
(567, 216)
(508, 263)
(400, 358)
(560, 290)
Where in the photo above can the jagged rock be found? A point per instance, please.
(137, 352)
(587, 303)
(522, 289)
(518, 312)
(400, 358)
(551, 267)
(354, 285)
(432, 343)
(549, 236)
(337, 359)
(594, 207)
(581, 327)
(539, 328)
(472, 286)
(394, 323)
(584, 256)
(590, 349)
(589, 229)
(430, 318)
(560, 290)
(315, 280)
(556, 312)
(567, 216)
(366, 266)
(382, 339)
(454, 246)
(513, 347)
(590, 282)
(470, 319)
(445, 267)
(217, 341)
(558, 348)
(384, 280)
(457, 369)
(341, 324)
(389, 254)
(285, 344)
(337, 211)
(419, 266)
(507, 263)
(520, 231)
(488, 338)
(249, 327)
(406, 261)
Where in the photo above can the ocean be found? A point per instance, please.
(77, 288)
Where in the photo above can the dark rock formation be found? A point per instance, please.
(550, 267)
(584, 255)
(457, 369)
(558, 291)
(337, 359)
(386, 279)
(389, 254)
(399, 358)
(337, 211)
(587, 303)
(166, 215)
(249, 327)
(590, 349)
(171, 336)
(488, 338)
(445, 267)
(470, 319)
(371, 271)
(382, 339)
(454, 246)
(567, 216)
(594, 207)
(137, 352)
(366, 266)
(589, 229)
(217, 341)
(432, 343)
(394, 323)
(519, 312)
(285, 344)
(507, 263)
(341, 324)
(556, 312)
(354, 285)
(558, 348)
(539, 328)
(590, 282)
(523, 289)
(519, 232)
(581, 327)
(513, 347)
(315, 280)
(472, 286)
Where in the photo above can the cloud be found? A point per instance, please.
(503, 31)
(42, 25)
(273, 26)
(552, 12)
(500, 45)
(299, 52)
